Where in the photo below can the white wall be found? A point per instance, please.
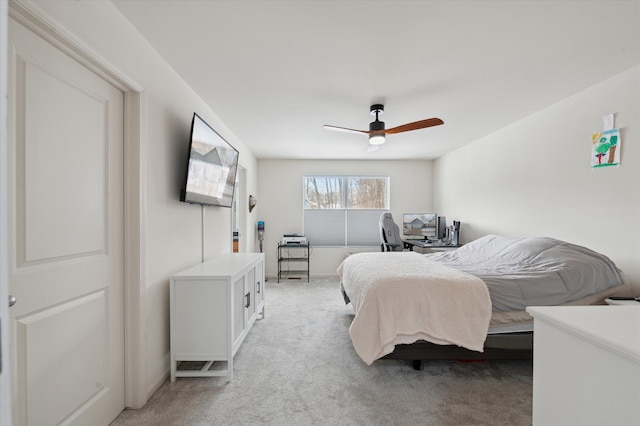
(534, 177)
(280, 201)
(173, 229)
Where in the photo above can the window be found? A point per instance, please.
(344, 211)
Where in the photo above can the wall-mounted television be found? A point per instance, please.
(211, 169)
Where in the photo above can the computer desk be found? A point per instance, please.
(424, 247)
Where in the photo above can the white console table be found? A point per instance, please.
(586, 365)
(213, 305)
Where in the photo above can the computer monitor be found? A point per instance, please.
(420, 225)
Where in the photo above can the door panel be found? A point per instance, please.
(251, 283)
(259, 283)
(239, 310)
(74, 169)
(66, 246)
(47, 363)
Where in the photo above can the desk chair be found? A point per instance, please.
(390, 234)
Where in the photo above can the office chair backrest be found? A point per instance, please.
(390, 234)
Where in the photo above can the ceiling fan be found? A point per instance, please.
(377, 133)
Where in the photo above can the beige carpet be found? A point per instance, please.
(298, 367)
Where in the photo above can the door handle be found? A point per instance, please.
(12, 300)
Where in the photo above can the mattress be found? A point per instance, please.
(403, 297)
(533, 271)
(521, 321)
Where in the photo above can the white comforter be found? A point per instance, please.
(403, 297)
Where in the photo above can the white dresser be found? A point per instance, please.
(586, 365)
(213, 305)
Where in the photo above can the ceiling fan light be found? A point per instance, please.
(376, 139)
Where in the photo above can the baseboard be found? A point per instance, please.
(154, 388)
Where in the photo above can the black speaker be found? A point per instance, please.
(442, 228)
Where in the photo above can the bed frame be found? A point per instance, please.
(497, 346)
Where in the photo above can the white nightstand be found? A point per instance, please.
(622, 302)
(588, 357)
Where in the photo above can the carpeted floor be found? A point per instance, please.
(298, 367)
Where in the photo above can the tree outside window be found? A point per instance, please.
(344, 210)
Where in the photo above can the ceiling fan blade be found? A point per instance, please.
(345, 129)
(422, 124)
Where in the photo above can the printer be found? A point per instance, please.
(292, 239)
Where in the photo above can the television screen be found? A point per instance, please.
(420, 225)
(212, 167)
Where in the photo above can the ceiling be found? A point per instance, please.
(275, 72)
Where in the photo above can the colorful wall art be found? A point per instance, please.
(605, 148)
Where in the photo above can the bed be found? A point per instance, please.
(468, 303)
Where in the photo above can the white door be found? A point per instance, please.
(5, 401)
(65, 189)
(240, 211)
